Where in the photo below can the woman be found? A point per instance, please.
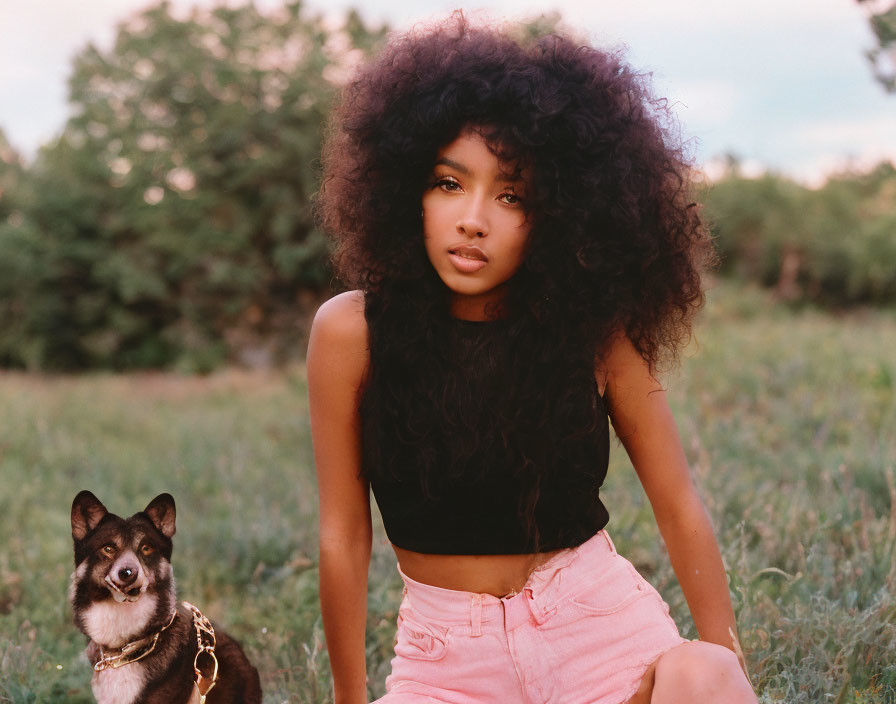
(517, 226)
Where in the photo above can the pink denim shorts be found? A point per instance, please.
(583, 630)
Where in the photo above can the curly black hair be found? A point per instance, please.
(616, 243)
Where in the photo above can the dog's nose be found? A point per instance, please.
(127, 575)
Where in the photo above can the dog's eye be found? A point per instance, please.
(108, 550)
(147, 549)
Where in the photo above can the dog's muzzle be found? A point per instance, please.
(126, 582)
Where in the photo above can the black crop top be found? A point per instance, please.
(478, 511)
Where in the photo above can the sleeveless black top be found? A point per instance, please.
(479, 501)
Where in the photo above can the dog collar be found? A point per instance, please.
(205, 641)
(131, 652)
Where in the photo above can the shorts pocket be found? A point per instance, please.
(613, 591)
(419, 641)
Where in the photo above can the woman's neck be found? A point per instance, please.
(480, 308)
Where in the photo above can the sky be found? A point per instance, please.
(781, 84)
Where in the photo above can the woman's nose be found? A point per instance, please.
(473, 222)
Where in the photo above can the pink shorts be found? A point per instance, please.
(583, 630)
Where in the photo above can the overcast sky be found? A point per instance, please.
(781, 83)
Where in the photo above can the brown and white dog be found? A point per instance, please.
(143, 643)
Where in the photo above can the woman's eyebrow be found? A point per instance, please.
(451, 164)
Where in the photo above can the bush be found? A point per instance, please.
(835, 245)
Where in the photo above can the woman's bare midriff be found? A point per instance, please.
(498, 575)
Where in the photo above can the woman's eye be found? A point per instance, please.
(108, 550)
(511, 198)
(448, 185)
(147, 549)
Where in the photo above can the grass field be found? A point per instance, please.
(788, 418)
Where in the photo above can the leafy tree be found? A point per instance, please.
(21, 262)
(11, 168)
(758, 225)
(883, 56)
(171, 222)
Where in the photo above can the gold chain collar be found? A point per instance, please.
(205, 640)
(131, 652)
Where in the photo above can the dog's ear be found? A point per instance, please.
(87, 512)
(161, 512)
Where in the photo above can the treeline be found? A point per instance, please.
(834, 245)
(170, 225)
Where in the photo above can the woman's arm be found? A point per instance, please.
(337, 362)
(643, 422)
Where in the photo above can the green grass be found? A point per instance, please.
(788, 418)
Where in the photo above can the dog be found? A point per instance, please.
(146, 647)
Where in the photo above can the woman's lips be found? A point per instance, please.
(467, 259)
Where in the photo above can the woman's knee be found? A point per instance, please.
(703, 669)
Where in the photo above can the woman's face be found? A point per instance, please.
(475, 225)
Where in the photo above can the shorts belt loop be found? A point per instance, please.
(536, 609)
(609, 542)
(476, 614)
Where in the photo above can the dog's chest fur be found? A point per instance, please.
(121, 686)
(114, 624)
(128, 684)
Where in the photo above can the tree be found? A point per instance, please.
(17, 257)
(173, 216)
(883, 56)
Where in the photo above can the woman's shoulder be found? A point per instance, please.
(620, 362)
(343, 314)
(339, 325)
